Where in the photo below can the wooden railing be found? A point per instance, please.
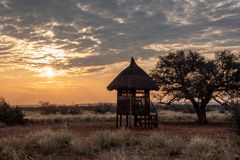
(142, 109)
(138, 105)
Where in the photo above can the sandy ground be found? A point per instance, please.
(85, 129)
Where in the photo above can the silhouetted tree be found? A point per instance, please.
(187, 75)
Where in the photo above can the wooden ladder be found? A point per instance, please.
(154, 116)
(150, 120)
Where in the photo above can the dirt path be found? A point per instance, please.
(183, 129)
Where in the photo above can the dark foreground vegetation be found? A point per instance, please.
(10, 115)
(118, 145)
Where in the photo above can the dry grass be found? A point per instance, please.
(201, 148)
(100, 141)
(172, 116)
(117, 145)
(47, 141)
(120, 154)
(171, 145)
(87, 116)
(84, 146)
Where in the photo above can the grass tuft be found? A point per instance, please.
(48, 141)
(201, 148)
(119, 154)
(107, 139)
(175, 146)
(84, 146)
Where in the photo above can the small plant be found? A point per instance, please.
(10, 115)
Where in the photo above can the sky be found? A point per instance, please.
(68, 51)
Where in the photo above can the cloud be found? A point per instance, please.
(89, 35)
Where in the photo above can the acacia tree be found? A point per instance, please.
(186, 75)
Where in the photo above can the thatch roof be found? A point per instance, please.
(133, 77)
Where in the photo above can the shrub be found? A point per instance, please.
(47, 108)
(10, 115)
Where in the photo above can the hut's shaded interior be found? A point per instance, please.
(133, 87)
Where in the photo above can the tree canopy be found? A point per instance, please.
(187, 75)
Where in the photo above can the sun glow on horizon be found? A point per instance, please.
(47, 72)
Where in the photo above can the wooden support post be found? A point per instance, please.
(117, 121)
(140, 121)
(156, 121)
(135, 120)
(127, 121)
(120, 120)
(148, 120)
(145, 121)
(130, 121)
(130, 111)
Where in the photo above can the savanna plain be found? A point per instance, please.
(88, 132)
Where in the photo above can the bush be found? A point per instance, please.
(10, 115)
(47, 108)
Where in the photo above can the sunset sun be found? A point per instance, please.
(47, 72)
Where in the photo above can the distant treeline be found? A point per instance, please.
(47, 108)
(188, 108)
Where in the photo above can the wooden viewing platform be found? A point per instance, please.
(133, 87)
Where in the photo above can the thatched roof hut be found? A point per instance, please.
(133, 78)
(133, 87)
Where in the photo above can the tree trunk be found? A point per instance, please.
(201, 114)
